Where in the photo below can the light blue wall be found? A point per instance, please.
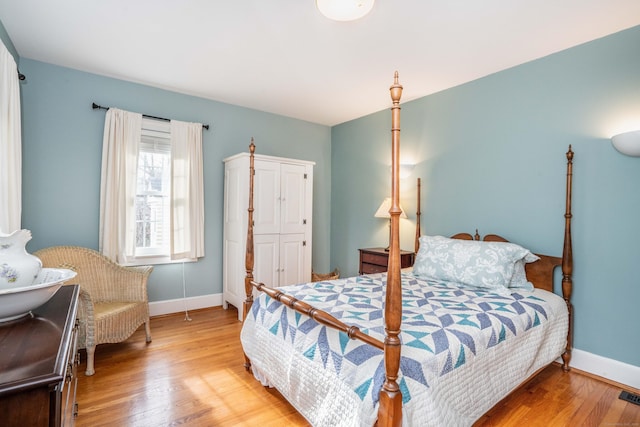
(62, 149)
(491, 155)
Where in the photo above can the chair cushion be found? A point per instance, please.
(117, 321)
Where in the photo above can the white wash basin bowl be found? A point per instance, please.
(18, 302)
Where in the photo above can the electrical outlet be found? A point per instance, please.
(630, 397)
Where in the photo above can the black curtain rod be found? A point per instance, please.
(100, 107)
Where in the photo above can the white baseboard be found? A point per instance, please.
(181, 304)
(610, 369)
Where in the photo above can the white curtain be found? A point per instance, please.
(122, 131)
(10, 144)
(187, 191)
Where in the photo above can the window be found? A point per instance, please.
(153, 190)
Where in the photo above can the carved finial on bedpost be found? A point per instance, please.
(396, 93)
(567, 261)
(390, 410)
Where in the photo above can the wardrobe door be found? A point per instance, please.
(266, 196)
(292, 198)
(267, 254)
(292, 259)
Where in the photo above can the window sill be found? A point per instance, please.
(155, 260)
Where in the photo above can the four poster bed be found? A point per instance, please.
(438, 345)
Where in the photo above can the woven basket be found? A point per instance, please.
(318, 277)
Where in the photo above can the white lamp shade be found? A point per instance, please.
(383, 210)
(627, 143)
(344, 10)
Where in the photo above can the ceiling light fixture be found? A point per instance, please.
(344, 10)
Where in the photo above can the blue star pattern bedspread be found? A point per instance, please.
(463, 349)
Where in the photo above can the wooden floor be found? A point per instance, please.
(192, 374)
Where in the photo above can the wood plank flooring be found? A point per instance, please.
(192, 374)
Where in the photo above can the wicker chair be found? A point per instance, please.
(113, 299)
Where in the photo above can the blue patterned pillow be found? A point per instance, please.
(519, 278)
(487, 265)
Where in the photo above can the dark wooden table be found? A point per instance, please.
(38, 363)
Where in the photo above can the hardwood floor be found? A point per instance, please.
(192, 374)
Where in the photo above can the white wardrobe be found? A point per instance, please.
(283, 202)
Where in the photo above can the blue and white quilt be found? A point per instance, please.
(463, 349)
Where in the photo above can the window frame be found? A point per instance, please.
(159, 130)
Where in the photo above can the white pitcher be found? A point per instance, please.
(18, 268)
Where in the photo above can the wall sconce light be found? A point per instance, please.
(383, 212)
(405, 170)
(344, 10)
(627, 143)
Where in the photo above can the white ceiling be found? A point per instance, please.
(283, 57)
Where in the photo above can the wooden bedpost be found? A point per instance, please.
(418, 213)
(249, 258)
(567, 262)
(390, 411)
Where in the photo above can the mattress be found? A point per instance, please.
(463, 349)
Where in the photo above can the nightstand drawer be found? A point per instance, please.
(372, 268)
(377, 259)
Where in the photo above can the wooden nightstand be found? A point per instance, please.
(376, 260)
